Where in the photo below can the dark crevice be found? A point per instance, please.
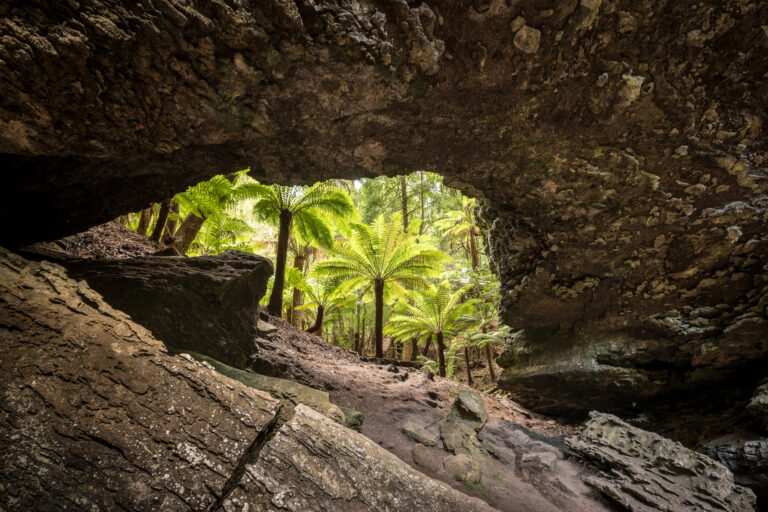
(251, 455)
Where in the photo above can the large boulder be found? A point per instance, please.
(96, 415)
(458, 431)
(208, 305)
(645, 472)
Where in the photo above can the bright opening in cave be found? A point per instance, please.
(428, 246)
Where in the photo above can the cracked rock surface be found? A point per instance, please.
(95, 414)
(644, 472)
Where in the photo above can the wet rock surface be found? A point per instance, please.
(208, 305)
(645, 472)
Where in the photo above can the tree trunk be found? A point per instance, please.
(428, 346)
(275, 306)
(421, 193)
(378, 290)
(440, 355)
(317, 329)
(162, 217)
(490, 361)
(474, 253)
(414, 348)
(144, 219)
(469, 371)
(123, 219)
(171, 224)
(188, 231)
(362, 333)
(404, 198)
(298, 262)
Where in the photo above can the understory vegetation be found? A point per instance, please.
(388, 267)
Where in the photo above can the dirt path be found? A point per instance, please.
(529, 472)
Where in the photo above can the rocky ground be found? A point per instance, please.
(484, 446)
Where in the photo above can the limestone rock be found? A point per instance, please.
(527, 39)
(417, 434)
(746, 458)
(644, 472)
(460, 426)
(353, 419)
(207, 305)
(463, 468)
(313, 463)
(95, 411)
(288, 392)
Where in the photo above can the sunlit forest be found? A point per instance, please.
(392, 268)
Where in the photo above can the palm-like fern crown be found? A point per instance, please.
(314, 209)
(459, 224)
(435, 310)
(382, 253)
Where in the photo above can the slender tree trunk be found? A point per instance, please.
(123, 219)
(440, 355)
(317, 329)
(414, 348)
(404, 198)
(171, 224)
(421, 193)
(378, 290)
(275, 306)
(162, 217)
(428, 346)
(340, 323)
(469, 371)
(187, 232)
(362, 333)
(489, 355)
(298, 262)
(144, 219)
(474, 254)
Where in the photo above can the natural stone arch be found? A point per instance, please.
(619, 146)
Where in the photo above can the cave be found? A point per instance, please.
(617, 149)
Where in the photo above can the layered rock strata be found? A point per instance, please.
(643, 472)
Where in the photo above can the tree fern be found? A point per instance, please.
(379, 256)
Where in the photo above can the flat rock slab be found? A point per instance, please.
(645, 472)
(208, 305)
(315, 464)
(95, 412)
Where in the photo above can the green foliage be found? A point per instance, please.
(452, 361)
(314, 209)
(382, 252)
(434, 310)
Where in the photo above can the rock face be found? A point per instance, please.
(644, 472)
(208, 305)
(619, 147)
(96, 415)
(313, 463)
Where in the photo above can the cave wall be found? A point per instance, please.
(619, 148)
